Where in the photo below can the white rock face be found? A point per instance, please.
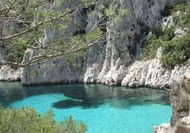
(119, 51)
(151, 73)
(110, 63)
(6, 72)
(9, 74)
(49, 72)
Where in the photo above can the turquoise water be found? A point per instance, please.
(104, 109)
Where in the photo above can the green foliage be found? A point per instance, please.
(182, 19)
(150, 47)
(157, 31)
(78, 40)
(175, 51)
(88, 3)
(17, 46)
(154, 41)
(96, 34)
(168, 34)
(44, 17)
(16, 49)
(41, 14)
(61, 44)
(115, 16)
(27, 120)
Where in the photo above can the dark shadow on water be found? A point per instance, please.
(67, 104)
(85, 96)
(73, 103)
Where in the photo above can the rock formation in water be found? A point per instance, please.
(180, 101)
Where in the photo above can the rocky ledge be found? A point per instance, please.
(180, 101)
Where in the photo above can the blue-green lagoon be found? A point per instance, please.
(104, 109)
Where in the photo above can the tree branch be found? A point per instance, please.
(44, 57)
(10, 7)
(37, 25)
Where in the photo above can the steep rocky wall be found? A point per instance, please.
(180, 101)
(110, 62)
(121, 51)
(56, 70)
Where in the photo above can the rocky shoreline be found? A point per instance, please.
(177, 79)
(139, 74)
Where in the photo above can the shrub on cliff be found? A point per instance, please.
(27, 120)
(175, 50)
(155, 40)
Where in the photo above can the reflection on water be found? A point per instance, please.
(105, 109)
(85, 96)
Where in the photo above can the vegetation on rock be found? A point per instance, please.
(49, 28)
(176, 50)
(42, 25)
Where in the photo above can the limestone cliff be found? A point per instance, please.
(112, 62)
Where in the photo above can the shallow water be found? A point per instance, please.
(104, 109)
